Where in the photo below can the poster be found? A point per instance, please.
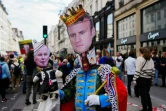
(25, 46)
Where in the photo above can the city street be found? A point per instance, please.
(17, 101)
(90, 45)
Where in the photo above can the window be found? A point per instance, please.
(147, 19)
(91, 10)
(121, 3)
(164, 13)
(127, 27)
(110, 25)
(158, 15)
(159, 26)
(148, 29)
(154, 17)
(152, 28)
(97, 31)
(96, 5)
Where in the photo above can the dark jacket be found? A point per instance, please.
(163, 61)
(65, 70)
(106, 60)
(156, 61)
(30, 66)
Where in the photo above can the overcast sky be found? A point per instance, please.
(30, 15)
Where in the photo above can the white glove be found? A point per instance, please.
(58, 74)
(92, 100)
(35, 79)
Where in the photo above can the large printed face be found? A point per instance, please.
(81, 35)
(26, 48)
(42, 56)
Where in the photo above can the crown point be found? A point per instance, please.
(62, 17)
(70, 11)
(66, 15)
(80, 6)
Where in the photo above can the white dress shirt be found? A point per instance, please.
(130, 65)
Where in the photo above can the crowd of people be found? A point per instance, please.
(17, 69)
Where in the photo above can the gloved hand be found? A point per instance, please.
(58, 74)
(92, 100)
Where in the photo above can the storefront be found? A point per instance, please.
(154, 26)
(126, 34)
(124, 45)
(103, 21)
(155, 40)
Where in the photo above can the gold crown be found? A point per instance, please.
(74, 15)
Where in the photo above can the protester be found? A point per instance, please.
(24, 72)
(130, 66)
(16, 73)
(163, 68)
(156, 61)
(55, 63)
(118, 62)
(70, 63)
(82, 82)
(30, 67)
(11, 56)
(4, 78)
(47, 78)
(64, 69)
(98, 56)
(143, 77)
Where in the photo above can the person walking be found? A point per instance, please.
(4, 77)
(156, 64)
(163, 68)
(30, 67)
(16, 73)
(130, 67)
(119, 61)
(143, 77)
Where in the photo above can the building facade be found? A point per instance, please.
(62, 45)
(16, 37)
(8, 37)
(103, 21)
(139, 23)
(5, 28)
(50, 39)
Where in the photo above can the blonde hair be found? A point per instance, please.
(104, 52)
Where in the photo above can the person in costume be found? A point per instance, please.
(92, 87)
(47, 77)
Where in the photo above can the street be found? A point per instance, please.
(16, 101)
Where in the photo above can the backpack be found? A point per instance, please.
(1, 71)
(17, 70)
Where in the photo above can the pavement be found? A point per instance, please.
(17, 101)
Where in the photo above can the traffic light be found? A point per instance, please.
(45, 32)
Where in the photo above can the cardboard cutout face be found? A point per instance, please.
(41, 56)
(81, 34)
